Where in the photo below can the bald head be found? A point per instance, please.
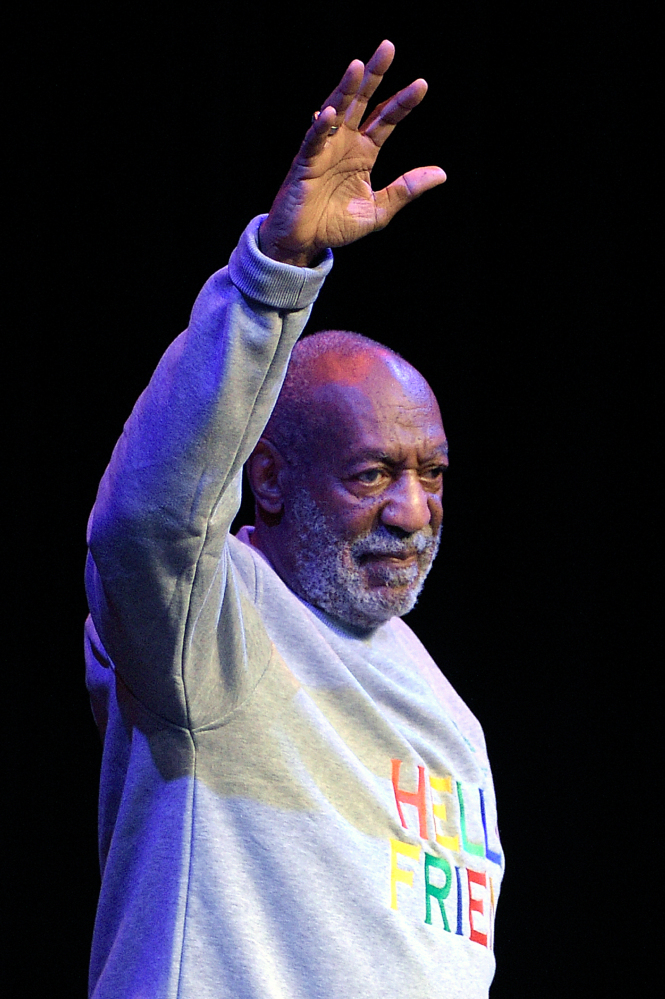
(324, 368)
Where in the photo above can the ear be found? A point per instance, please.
(265, 468)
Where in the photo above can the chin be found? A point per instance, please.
(337, 576)
(374, 606)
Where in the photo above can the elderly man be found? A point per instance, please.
(294, 802)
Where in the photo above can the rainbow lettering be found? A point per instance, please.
(467, 904)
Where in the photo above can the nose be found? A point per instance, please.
(407, 504)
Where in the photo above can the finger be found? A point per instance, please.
(377, 66)
(318, 134)
(384, 118)
(346, 89)
(405, 189)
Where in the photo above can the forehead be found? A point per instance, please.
(381, 406)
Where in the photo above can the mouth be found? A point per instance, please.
(394, 558)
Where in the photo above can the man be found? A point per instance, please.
(294, 802)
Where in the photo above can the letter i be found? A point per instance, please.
(458, 875)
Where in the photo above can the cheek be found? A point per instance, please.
(353, 516)
(362, 519)
(435, 504)
(346, 512)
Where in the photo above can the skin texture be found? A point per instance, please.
(353, 529)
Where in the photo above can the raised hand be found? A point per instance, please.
(326, 199)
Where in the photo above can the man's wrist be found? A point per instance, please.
(279, 287)
(300, 258)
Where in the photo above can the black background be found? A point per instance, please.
(145, 139)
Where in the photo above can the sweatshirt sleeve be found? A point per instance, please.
(158, 570)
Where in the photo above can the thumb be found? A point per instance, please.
(406, 188)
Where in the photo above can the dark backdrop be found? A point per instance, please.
(145, 140)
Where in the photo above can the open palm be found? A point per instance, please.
(326, 199)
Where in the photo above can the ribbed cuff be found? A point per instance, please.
(280, 286)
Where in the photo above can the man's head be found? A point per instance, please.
(347, 479)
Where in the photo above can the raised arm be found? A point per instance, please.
(326, 200)
(158, 564)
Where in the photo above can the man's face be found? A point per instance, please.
(363, 516)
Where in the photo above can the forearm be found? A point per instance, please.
(172, 486)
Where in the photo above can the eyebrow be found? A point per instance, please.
(375, 455)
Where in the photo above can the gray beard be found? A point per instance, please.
(330, 573)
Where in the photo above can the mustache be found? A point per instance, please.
(382, 542)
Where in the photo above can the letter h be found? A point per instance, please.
(416, 798)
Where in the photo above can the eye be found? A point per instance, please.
(370, 476)
(433, 473)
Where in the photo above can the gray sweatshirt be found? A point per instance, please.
(289, 808)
